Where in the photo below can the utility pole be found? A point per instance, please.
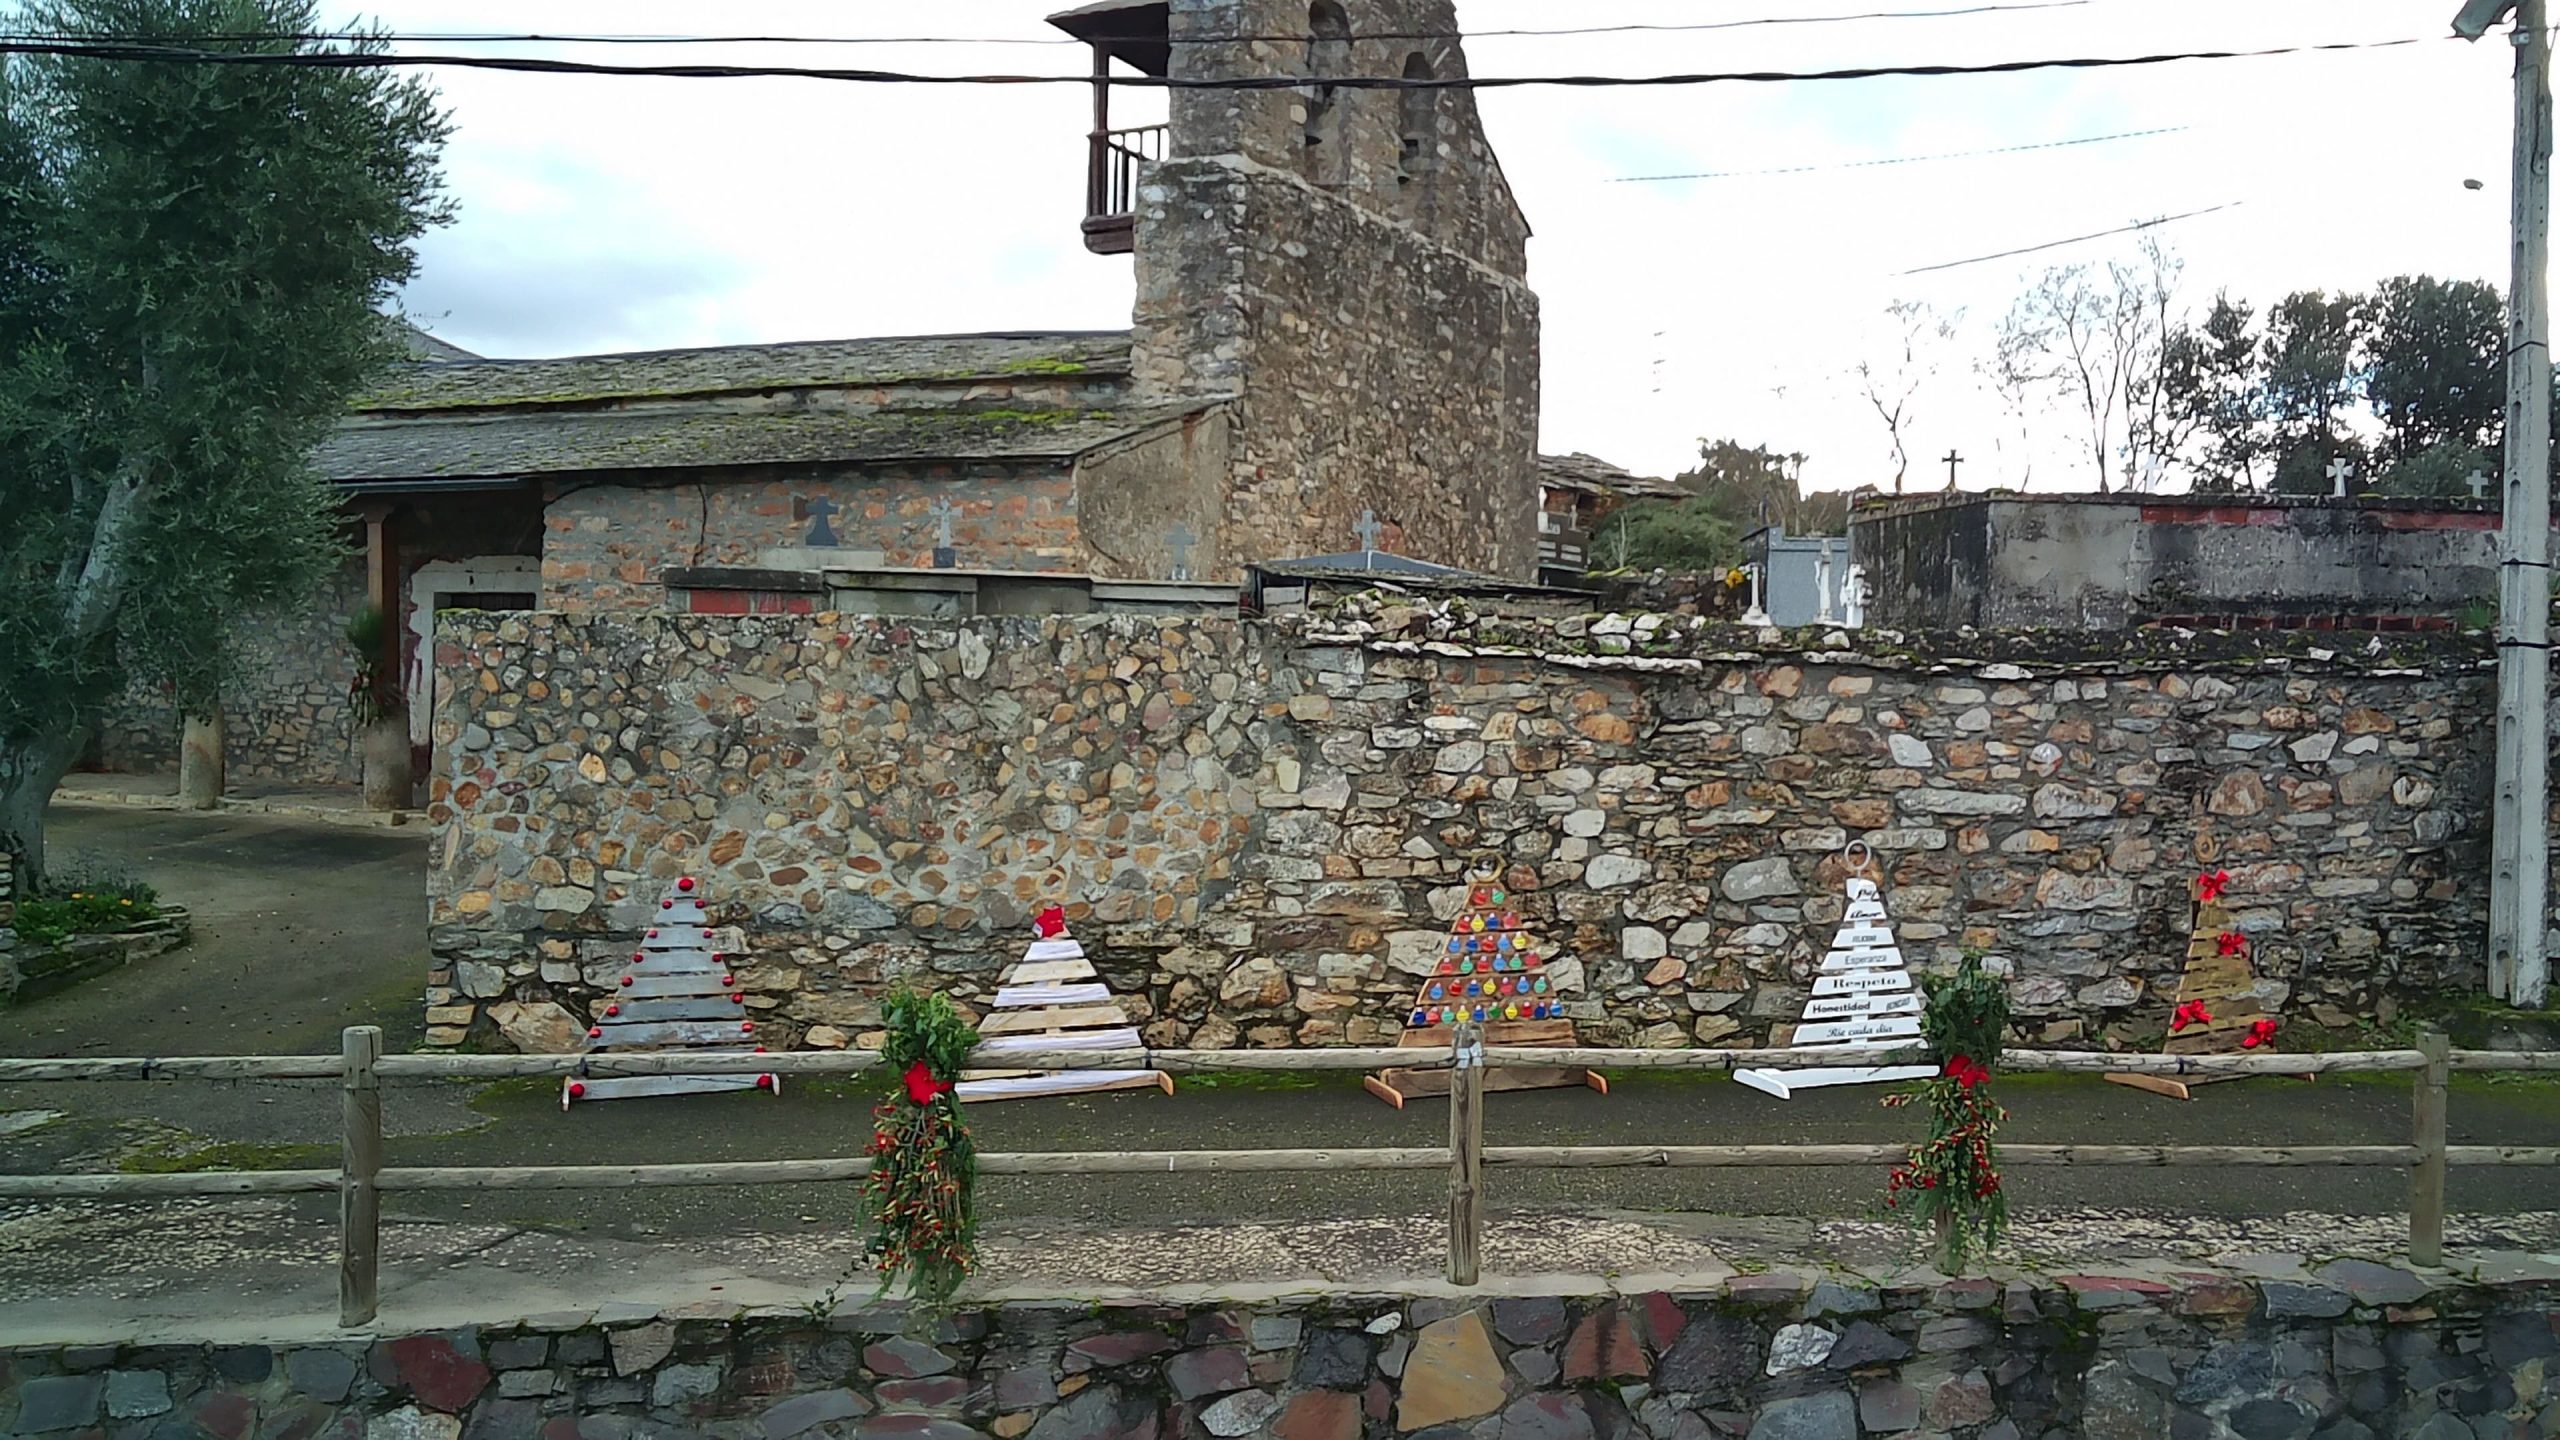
(2520, 860)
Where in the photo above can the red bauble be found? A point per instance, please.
(728, 979)
(653, 932)
(685, 884)
(595, 1032)
(764, 1082)
(747, 1026)
(626, 979)
(737, 999)
(637, 957)
(666, 904)
(577, 1088)
(612, 1010)
(759, 1049)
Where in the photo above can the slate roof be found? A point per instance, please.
(1594, 476)
(749, 369)
(426, 348)
(541, 442)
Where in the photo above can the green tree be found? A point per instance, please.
(2206, 419)
(1755, 486)
(1691, 534)
(2435, 365)
(2309, 375)
(193, 260)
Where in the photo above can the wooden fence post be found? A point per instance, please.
(1466, 1155)
(2427, 1131)
(359, 1161)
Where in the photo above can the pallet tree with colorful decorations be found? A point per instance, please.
(1052, 999)
(1492, 974)
(678, 996)
(1862, 997)
(2217, 1010)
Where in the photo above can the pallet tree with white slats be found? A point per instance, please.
(1052, 999)
(679, 995)
(1863, 996)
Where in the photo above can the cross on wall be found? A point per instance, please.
(2341, 471)
(1368, 529)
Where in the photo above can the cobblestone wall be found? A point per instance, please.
(1260, 829)
(286, 712)
(2356, 1350)
(8, 919)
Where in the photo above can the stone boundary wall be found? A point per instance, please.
(1260, 828)
(2358, 1350)
(8, 920)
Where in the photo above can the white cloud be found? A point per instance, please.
(615, 213)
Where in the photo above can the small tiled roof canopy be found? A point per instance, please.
(728, 406)
(1592, 475)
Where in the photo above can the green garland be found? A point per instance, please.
(922, 1189)
(1951, 1183)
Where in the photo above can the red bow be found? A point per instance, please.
(922, 1088)
(1050, 922)
(2231, 942)
(2209, 885)
(2190, 1013)
(1964, 1072)
(2259, 1034)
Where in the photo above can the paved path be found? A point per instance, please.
(301, 929)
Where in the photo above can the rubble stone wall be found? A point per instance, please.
(2358, 1350)
(1260, 828)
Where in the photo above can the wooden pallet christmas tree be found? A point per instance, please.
(2217, 1010)
(1492, 975)
(1862, 996)
(677, 996)
(1052, 1000)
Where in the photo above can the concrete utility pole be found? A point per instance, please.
(2520, 862)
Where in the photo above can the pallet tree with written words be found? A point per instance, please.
(1862, 997)
(2217, 1010)
(1492, 973)
(678, 995)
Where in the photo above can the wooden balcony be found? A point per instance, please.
(1111, 186)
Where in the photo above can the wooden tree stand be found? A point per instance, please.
(2224, 985)
(1399, 1085)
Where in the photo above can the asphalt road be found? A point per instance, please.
(302, 928)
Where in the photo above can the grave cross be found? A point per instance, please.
(2341, 470)
(2479, 485)
(817, 512)
(1368, 529)
(1953, 460)
(943, 511)
(1179, 540)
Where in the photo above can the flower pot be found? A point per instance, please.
(387, 780)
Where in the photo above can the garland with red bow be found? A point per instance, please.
(922, 1189)
(1951, 1182)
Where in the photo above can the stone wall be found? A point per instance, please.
(8, 919)
(286, 712)
(1260, 829)
(2108, 561)
(2356, 1350)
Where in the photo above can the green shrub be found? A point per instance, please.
(86, 896)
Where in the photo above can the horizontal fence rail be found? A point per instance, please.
(361, 1070)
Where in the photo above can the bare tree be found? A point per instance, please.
(1891, 387)
(2091, 339)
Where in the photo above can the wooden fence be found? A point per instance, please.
(361, 1179)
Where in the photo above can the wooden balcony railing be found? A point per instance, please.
(1111, 186)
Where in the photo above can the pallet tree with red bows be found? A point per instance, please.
(2217, 1010)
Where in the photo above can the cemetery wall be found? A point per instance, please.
(1259, 828)
(2355, 1349)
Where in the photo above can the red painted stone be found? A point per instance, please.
(1663, 1320)
(1604, 1347)
(439, 1375)
(1320, 1415)
(225, 1414)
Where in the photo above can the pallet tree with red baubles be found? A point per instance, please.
(677, 996)
(2217, 1010)
(1052, 999)
(1492, 974)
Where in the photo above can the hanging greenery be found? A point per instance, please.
(922, 1189)
(1951, 1182)
(374, 694)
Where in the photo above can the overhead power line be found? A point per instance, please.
(2074, 240)
(379, 60)
(1904, 159)
(518, 38)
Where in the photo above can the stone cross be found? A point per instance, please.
(2479, 485)
(817, 512)
(2341, 470)
(1953, 460)
(1367, 529)
(1179, 540)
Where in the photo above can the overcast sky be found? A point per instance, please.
(606, 214)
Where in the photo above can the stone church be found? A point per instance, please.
(1333, 335)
